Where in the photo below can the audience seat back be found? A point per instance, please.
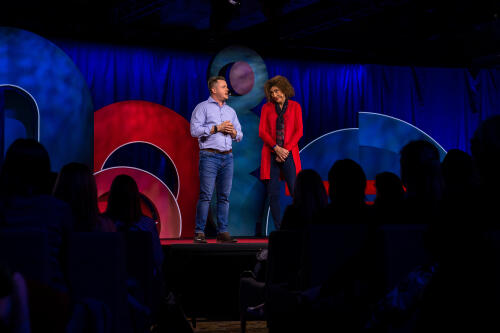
(402, 250)
(285, 249)
(328, 248)
(97, 270)
(27, 252)
(140, 266)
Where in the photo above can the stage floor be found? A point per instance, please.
(243, 240)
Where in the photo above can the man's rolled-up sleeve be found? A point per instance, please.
(198, 122)
(237, 127)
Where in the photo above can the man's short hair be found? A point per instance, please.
(213, 80)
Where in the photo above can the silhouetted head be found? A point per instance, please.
(26, 169)
(124, 202)
(309, 193)
(458, 170)
(389, 188)
(76, 185)
(485, 148)
(347, 182)
(421, 171)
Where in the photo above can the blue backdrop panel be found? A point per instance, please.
(377, 160)
(40, 68)
(389, 133)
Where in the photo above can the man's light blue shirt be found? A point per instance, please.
(208, 114)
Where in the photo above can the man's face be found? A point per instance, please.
(220, 90)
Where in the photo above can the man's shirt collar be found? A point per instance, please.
(211, 100)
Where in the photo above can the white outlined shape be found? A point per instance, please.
(133, 168)
(407, 123)
(33, 99)
(164, 152)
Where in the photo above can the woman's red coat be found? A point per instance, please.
(267, 132)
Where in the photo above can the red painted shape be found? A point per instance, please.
(370, 188)
(157, 192)
(131, 121)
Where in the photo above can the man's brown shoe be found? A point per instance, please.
(224, 237)
(199, 237)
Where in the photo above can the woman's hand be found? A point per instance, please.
(281, 153)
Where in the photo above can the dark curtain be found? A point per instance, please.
(446, 103)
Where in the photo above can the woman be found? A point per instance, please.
(76, 186)
(124, 208)
(281, 129)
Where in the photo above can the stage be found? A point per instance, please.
(205, 277)
(189, 241)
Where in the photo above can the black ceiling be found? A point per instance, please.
(420, 32)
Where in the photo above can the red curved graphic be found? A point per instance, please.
(130, 121)
(155, 190)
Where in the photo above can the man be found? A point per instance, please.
(216, 125)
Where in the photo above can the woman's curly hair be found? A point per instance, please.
(282, 83)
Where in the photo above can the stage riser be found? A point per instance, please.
(205, 277)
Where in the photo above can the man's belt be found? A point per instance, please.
(218, 151)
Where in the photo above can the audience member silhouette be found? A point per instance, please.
(422, 178)
(347, 183)
(25, 203)
(26, 169)
(124, 208)
(485, 148)
(76, 186)
(460, 181)
(464, 292)
(309, 199)
(389, 198)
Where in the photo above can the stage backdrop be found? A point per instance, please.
(445, 103)
(43, 96)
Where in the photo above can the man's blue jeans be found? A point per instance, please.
(216, 171)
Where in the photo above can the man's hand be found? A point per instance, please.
(222, 127)
(225, 127)
(230, 130)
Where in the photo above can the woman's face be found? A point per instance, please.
(277, 95)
